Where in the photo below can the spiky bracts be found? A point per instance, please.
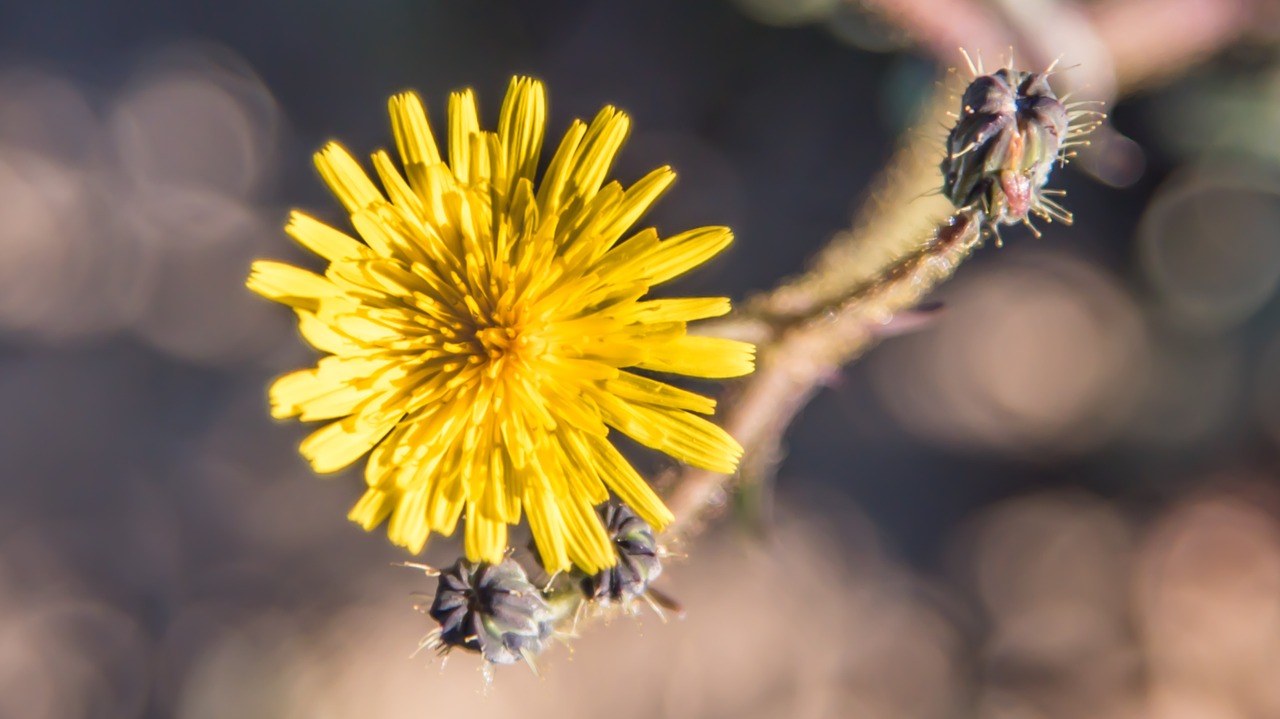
(1010, 133)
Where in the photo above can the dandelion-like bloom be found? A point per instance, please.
(484, 337)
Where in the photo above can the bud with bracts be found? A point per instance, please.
(489, 609)
(1010, 133)
(639, 564)
(497, 612)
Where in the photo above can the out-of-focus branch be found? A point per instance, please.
(1111, 47)
(810, 326)
(1117, 45)
(1136, 42)
(941, 26)
(1151, 40)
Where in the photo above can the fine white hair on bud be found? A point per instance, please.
(1010, 133)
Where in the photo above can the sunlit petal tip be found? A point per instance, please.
(412, 131)
(521, 125)
(346, 179)
(404, 104)
(323, 239)
(372, 509)
(287, 284)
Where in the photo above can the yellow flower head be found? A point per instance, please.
(482, 337)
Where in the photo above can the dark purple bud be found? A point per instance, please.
(490, 609)
(1007, 139)
(638, 564)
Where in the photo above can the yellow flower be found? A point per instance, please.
(482, 337)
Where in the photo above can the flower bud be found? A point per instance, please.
(1006, 141)
(638, 564)
(490, 609)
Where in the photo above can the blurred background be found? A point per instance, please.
(1062, 499)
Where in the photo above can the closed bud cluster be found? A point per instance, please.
(1009, 135)
(495, 610)
(639, 561)
(490, 609)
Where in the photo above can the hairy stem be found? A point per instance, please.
(809, 326)
(800, 361)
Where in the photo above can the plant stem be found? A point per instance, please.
(807, 355)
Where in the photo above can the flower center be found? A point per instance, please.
(497, 341)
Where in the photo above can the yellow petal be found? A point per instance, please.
(343, 175)
(312, 397)
(636, 202)
(589, 546)
(579, 467)
(630, 487)
(547, 527)
(288, 284)
(685, 251)
(322, 336)
(634, 388)
(463, 124)
(710, 357)
(414, 140)
(685, 309)
(485, 538)
(598, 150)
(684, 436)
(408, 525)
(389, 233)
(323, 239)
(401, 194)
(338, 444)
(520, 127)
(448, 496)
(551, 190)
(374, 506)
